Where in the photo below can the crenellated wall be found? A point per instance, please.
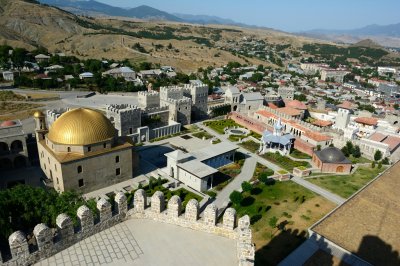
(156, 209)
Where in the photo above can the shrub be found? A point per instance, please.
(379, 165)
(246, 186)
(211, 193)
(272, 222)
(236, 197)
(385, 161)
(373, 164)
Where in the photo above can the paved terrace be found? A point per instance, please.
(144, 242)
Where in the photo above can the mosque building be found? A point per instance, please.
(81, 151)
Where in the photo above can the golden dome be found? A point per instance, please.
(38, 114)
(81, 126)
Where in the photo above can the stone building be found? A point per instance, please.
(331, 160)
(243, 102)
(342, 119)
(333, 74)
(232, 97)
(180, 110)
(126, 118)
(13, 148)
(286, 93)
(82, 151)
(148, 99)
(199, 95)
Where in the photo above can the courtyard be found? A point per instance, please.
(145, 242)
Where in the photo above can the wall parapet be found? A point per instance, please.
(154, 208)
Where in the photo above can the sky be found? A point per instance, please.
(287, 15)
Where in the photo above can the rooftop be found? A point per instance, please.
(370, 121)
(198, 168)
(367, 224)
(214, 150)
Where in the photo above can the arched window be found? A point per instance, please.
(69, 149)
(79, 169)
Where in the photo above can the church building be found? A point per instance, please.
(276, 141)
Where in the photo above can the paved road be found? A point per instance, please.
(326, 194)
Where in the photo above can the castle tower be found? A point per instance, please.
(40, 125)
(343, 118)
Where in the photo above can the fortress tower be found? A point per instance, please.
(125, 118)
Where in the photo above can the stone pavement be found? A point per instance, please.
(144, 242)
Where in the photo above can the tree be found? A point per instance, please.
(396, 106)
(350, 147)
(356, 152)
(273, 221)
(385, 161)
(246, 186)
(345, 151)
(379, 165)
(373, 164)
(236, 197)
(378, 155)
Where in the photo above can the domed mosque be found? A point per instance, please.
(331, 160)
(81, 151)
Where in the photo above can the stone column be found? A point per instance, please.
(121, 203)
(44, 237)
(140, 201)
(174, 206)
(104, 208)
(192, 210)
(65, 227)
(18, 245)
(229, 219)
(157, 202)
(85, 216)
(210, 215)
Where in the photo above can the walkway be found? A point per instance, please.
(324, 193)
(246, 174)
(144, 242)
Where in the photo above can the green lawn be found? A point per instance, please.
(219, 125)
(299, 155)
(235, 138)
(202, 134)
(295, 208)
(358, 160)
(283, 161)
(347, 185)
(250, 145)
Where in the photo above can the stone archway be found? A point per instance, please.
(235, 107)
(4, 148)
(340, 169)
(17, 146)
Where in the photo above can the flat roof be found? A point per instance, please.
(198, 168)
(368, 223)
(213, 151)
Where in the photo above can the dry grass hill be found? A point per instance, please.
(28, 24)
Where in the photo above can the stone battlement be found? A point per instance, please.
(170, 88)
(148, 93)
(183, 100)
(158, 210)
(122, 108)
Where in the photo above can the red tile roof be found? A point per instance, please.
(296, 104)
(377, 137)
(322, 123)
(393, 142)
(347, 105)
(371, 121)
(289, 111)
(273, 106)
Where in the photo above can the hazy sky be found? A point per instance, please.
(288, 15)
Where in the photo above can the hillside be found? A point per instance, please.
(186, 47)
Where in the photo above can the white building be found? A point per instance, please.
(197, 169)
(121, 72)
(8, 75)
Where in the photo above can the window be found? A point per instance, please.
(69, 149)
(44, 166)
(104, 145)
(48, 159)
(117, 159)
(80, 183)
(89, 148)
(130, 130)
(79, 169)
(118, 171)
(55, 167)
